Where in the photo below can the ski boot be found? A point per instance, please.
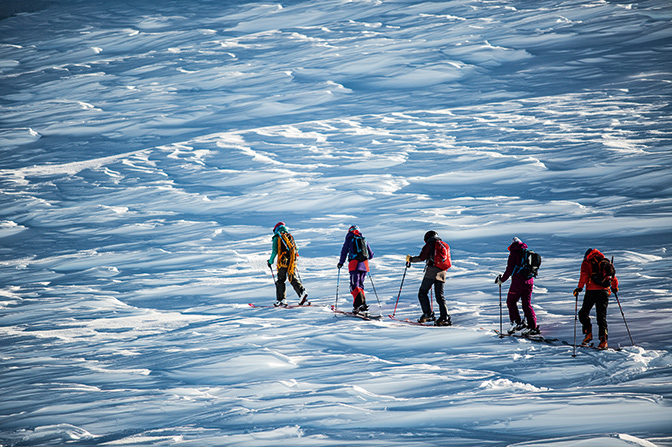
(426, 317)
(443, 321)
(588, 338)
(361, 310)
(603, 343)
(280, 303)
(516, 327)
(304, 300)
(530, 331)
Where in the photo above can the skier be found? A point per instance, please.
(522, 283)
(285, 248)
(358, 252)
(435, 275)
(597, 294)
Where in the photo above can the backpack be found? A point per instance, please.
(441, 255)
(287, 251)
(603, 273)
(529, 264)
(360, 251)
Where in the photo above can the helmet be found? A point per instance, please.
(431, 235)
(353, 228)
(279, 224)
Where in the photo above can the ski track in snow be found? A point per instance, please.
(147, 149)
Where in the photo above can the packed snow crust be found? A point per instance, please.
(147, 149)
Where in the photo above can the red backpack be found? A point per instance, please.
(442, 255)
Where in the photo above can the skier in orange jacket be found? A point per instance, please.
(599, 278)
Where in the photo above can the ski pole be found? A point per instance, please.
(623, 315)
(402, 284)
(621, 308)
(338, 281)
(374, 291)
(272, 274)
(501, 329)
(576, 317)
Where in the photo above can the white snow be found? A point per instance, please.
(147, 149)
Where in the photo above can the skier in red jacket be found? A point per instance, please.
(434, 276)
(599, 286)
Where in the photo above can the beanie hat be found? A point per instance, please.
(431, 235)
(515, 239)
(279, 224)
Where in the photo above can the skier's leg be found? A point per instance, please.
(357, 288)
(440, 299)
(423, 295)
(512, 304)
(296, 284)
(526, 301)
(601, 304)
(584, 312)
(280, 284)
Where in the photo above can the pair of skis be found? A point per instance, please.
(534, 337)
(333, 309)
(286, 306)
(553, 341)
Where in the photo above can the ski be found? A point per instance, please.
(414, 323)
(535, 337)
(592, 346)
(351, 314)
(288, 306)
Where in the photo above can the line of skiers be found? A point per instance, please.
(597, 275)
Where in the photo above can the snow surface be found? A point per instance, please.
(147, 148)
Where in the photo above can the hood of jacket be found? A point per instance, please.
(594, 254)
(517, 246)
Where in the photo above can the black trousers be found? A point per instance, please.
(423, 296)
(599, 299)
(280, 286)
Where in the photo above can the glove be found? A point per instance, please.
(614, 289)
(339, 265)
(577, 291)
(498, 280)
(269, 263)
(408, 259)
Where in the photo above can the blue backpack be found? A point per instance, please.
(529, 264)
(359, 250)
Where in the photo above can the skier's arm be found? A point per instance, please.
(344, 252)
(274, 252)
(614, 284)
(585, 274)
(510, 265)
(424, 255)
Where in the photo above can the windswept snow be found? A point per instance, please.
(147, 149)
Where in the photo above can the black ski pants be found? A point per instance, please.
(599, 299)
(423, 296)
(280, 286)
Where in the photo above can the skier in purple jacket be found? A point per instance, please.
(521, 288)
(358, 267)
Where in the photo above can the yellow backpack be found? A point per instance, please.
(287, 252)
